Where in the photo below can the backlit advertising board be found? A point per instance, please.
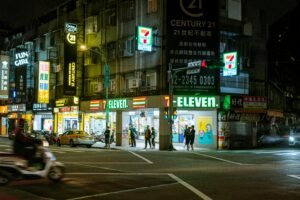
(70, 63)
(43, 82)
(193, 35)
(4, 75)
(144, 38)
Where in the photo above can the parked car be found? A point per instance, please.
(294, 138)
(74, 138)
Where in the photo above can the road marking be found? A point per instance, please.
(121, 191)
(141, 157)
(175, 178)
(190, 187)
(294, 176)
(106, 163)
(105, 168)
(221, 159)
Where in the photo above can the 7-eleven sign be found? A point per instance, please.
(144, 38)
(230, 61)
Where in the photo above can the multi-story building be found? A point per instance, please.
(121, 76)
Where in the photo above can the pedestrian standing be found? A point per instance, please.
(184, 141)
(107, 137)
(192, 137)
(187, 137)
(153, 136)
(147, 137)
(132, 135)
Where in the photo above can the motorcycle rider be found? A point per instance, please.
(23, 144)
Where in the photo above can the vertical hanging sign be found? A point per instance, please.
(21, 61)
(144, 38)
(70, 55)
(43, 84)
(230, 67)
(4, 74)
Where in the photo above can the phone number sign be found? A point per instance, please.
(207, 81)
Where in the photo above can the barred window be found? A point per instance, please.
(152, 6)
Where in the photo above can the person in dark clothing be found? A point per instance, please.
(187, 136)
(132, 136)
(147, 137)
(23, 144)
(107, 137)
(192, 137)
(153, 135)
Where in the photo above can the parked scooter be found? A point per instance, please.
(13, 167)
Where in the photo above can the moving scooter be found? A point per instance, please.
(13, 167)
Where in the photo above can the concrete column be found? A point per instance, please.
(164, 133)
(119, 128)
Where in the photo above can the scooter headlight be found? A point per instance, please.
(291, 139)
(45, 143)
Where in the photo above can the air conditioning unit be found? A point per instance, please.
(97, 87)
(126, 53)
(112, 85)
(134, 83)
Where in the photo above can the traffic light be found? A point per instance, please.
(166, 113)
(214, 64)
(174, 116)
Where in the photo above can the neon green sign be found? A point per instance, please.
(117, 103)
(197, 102)
(230, 67)
(144, 38)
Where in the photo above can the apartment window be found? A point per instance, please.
(111, 17)
(155, 40)
(93, 86)
(42, 43)
(111, 51)
(127, 11)
(152, 6)
(112, 83)
(91, 24)
(127, 47)
(151, 79)
(52, 39)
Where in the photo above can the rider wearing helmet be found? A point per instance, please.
(23, 144)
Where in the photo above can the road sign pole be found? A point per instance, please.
(170, 72)
(107, 73)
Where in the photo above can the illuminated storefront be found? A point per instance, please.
(3, 120)
(67, 115)
(200, 111)
(43, 117)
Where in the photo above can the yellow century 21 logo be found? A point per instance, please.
(71, 38)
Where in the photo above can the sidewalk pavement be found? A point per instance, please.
(140, 145)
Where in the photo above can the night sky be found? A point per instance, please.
(18, 12)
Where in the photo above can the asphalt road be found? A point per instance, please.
(94, 173)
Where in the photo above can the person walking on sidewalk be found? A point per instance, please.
(147, 137)
(153, 135)
(192, 137)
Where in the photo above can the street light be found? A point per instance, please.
(106, 83)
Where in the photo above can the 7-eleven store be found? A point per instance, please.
(200, 111)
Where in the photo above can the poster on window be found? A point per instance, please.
(205, 131)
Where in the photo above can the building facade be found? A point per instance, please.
(122, 75)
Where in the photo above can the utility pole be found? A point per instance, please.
(170, 114)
